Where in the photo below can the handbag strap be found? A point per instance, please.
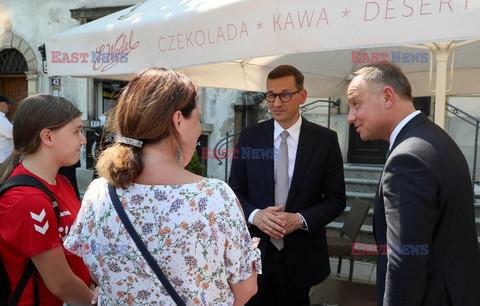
(141, 246)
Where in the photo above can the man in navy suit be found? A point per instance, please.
(424, 220)
(289, 219)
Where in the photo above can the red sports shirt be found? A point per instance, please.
(28, 226)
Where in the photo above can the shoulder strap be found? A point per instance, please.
(141, 246)
(22, 283)
(30, 181)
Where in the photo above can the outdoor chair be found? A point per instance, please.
(342, 246)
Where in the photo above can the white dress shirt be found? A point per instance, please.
(6, 141)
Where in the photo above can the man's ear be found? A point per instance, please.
(46, 137)
(303, 95)
(389, 95)
(178, 121)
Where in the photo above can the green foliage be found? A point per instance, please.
(195, 166)
(371, 259)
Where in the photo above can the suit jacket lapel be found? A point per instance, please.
(267, 138)
(378, 201)
(304, 151)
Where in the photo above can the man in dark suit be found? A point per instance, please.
(424, 221)
(291, 185)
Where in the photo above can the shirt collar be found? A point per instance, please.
(399, 127)
(293, 131)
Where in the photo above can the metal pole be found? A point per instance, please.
(328, 112)
(475, 155)
(442, 54)
(226, 158)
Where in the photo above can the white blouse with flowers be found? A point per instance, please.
(196, 232)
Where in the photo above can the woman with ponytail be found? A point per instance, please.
(191, 225)
(47, 134)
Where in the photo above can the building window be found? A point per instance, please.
(111, 91)
(12, 61)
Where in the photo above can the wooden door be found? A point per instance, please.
(15, 87)
(365, 152)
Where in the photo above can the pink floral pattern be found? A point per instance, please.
(196, 232)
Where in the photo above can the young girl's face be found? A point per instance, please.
(68, 141)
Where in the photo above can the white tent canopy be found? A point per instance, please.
(233, 43)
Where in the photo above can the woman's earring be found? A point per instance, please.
(179, 155)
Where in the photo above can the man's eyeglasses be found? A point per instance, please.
(284, 96)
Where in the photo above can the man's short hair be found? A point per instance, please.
(385, 74)
(287, 70)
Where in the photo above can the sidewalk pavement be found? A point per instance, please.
(364, 272)
(336, 290)
(84, 178)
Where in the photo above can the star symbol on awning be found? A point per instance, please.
(259, 25)
(345, 13)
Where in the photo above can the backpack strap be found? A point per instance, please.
(29, 181)
(22, 283)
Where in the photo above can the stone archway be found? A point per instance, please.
(8, 40)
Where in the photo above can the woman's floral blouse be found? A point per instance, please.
(196, 232)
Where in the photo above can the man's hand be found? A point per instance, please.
(271, 221)
(292, 221)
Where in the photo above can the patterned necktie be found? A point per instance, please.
(281, 181)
